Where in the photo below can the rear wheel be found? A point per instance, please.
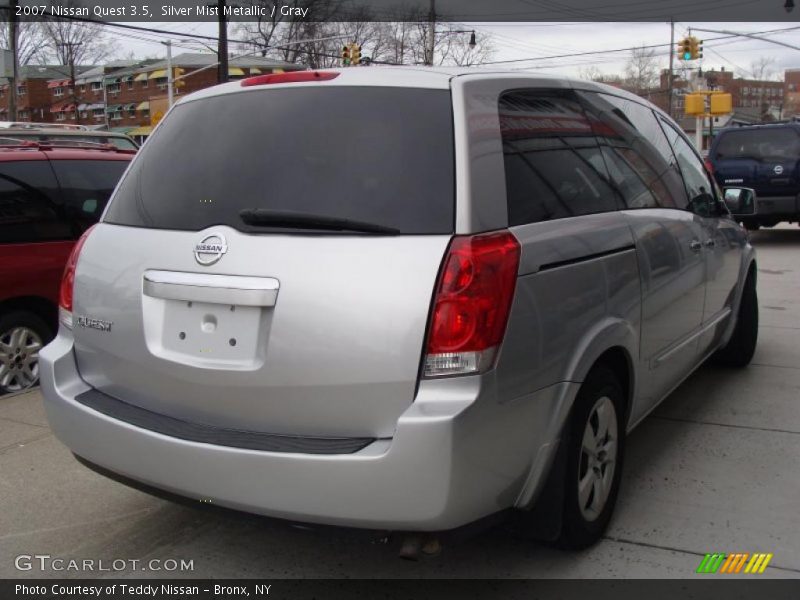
(22, 335)
(739, 350)
(595, 445)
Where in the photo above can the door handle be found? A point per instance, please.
(710, 243)
(695, 245)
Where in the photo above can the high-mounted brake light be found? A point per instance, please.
(471, 305)
(291, 77)
(68, 282)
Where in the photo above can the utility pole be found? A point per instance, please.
(70, 56)
(671, 77)
(170, 74)
(222, 47)
(432, 37)
(13, 25)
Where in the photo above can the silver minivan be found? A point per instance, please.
(398, 298)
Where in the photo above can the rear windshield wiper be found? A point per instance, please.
(297, 220)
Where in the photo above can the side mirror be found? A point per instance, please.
(741, 201)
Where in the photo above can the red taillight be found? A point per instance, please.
(291, 77)
(709, 166)
(68, 281)
(471, 305)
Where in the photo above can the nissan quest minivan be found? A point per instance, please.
(398, 298)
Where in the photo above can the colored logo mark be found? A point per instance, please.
(740, 562)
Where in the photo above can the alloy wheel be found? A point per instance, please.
(19, 359)
(597, 458)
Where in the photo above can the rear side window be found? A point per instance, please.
(639, 158)
(553, 164)
(380, 155)
(86, 186)
(30, 210)
(759, 144)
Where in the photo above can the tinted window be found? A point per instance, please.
(701, 194)
(636, 152)
(759, 144)
(86, 186)
(380, 155)
(29, 207)
(553, 165)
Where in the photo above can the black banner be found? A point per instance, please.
(410, 10)
(322, 589)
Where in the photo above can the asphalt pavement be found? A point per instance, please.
(716, 468)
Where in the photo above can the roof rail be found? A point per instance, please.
(27, 125)
(60, 145)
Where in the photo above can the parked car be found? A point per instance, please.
(455, 297)
(48, 198)
(767, 159)
(13, 132)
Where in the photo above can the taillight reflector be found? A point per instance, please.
(472, 302)
(68, 281)
(291, 77)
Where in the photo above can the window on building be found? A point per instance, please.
(21, 90)
(130, 84)
(59, 91)
(161, 82)
(97, 87)
(144, 84)
(61, 116)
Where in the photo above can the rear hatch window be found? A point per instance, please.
(761, 144)
(377, 155)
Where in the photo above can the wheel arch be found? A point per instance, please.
(41, 307)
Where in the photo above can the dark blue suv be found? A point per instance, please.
(767, 159)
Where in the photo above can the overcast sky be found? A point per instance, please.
(525, 40)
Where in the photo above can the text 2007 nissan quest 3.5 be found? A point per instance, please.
(398, 298)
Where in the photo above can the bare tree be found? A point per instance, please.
(591, 73)
(763, 69)
(31, 41)
(641, 71)
(74, 42)
(457, 50)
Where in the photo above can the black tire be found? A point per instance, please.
(9, 322)
(739, 350)
(577, 530)
(751, 225)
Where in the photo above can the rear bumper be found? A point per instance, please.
(458, 454)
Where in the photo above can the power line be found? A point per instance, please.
(615, 50)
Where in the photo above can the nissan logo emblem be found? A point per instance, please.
(778, 170)
(210, 249)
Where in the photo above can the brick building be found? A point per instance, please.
(118, 94)
(764, 96)
(791, 94)
(125, 103)
(34, 94)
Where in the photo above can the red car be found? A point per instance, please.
(49, 195)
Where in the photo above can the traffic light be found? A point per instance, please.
(346, 56)
(685, 49)
(697, 49)
(355, 54)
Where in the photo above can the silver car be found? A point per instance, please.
(398, 298)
